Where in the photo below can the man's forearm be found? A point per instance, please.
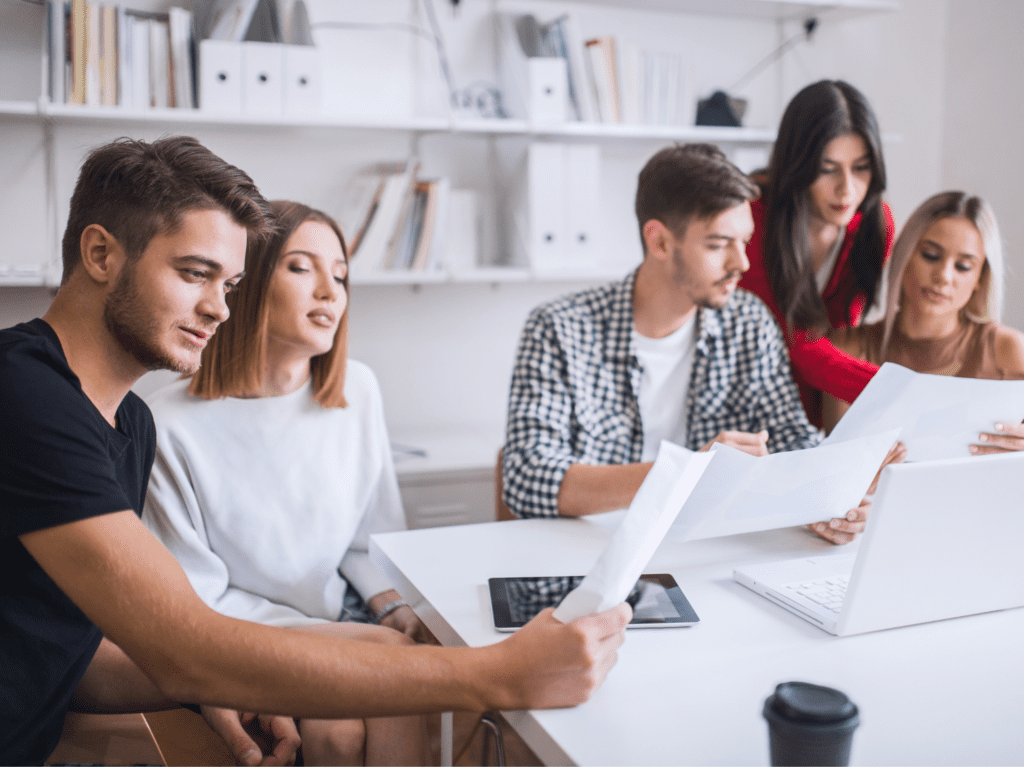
(593, 489)
(135, 591)
(113, 684)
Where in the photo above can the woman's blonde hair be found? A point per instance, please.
(233, 362)
(986, 302)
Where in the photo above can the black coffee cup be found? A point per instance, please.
(809, 725)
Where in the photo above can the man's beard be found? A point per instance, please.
(704, 301)
(127, 318)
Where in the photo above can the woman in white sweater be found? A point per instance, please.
(273, 468)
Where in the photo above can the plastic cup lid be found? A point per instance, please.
(805, 702)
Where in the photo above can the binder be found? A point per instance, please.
(159, 63)
(548, 97)
(302, 79)
(220, 76)
(462, 238)
(545, 206)
(556, 209)
(58, 13)
(582, 198)
(141, 80)
(262, 78)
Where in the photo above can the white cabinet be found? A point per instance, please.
(447, 478)
(443, 498)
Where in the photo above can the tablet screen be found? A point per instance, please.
(657, 600)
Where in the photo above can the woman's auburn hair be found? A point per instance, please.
(819, 113)
(985, 304)
(232, 364)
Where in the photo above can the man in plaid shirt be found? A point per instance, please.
(673, 352)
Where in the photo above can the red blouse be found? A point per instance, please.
(817, 364)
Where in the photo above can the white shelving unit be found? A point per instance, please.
(53, 116)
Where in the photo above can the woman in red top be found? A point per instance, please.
(822, 235)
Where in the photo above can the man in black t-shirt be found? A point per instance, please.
(94, 613)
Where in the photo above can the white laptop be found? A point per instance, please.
(944, 539)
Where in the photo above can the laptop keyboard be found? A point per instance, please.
(827, 593)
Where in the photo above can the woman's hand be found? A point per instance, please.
(402, 619)
(844, 529)
(755, 444)
(1007, 439)
(405, 621)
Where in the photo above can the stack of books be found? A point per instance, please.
(608, 81)
(397, 222)
(109, 55)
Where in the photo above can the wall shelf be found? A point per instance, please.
(71, 114)
(494, 275)
(777, 10)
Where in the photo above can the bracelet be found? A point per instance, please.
(389, 608)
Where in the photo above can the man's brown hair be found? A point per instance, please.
(136, 190)
(234, 359)
(687, 181)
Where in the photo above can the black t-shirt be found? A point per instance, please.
(60, 461)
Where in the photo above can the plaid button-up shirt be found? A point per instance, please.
(574, 389)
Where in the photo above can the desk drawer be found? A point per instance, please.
(439, 500)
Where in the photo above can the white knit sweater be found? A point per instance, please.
(268, 504)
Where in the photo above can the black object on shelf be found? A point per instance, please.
(719, 109)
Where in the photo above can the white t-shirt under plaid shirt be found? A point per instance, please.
(574, 389)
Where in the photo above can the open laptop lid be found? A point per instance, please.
(944, 539)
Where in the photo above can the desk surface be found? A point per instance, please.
(950, 692)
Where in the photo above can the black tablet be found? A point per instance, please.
(657, 600)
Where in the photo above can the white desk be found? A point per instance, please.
(943, 693)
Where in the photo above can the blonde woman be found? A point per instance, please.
(944, 301)
(273, 468)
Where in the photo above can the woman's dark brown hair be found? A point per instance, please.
(233, 362)
(818, 114)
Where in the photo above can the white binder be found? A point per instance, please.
(545, 204)
(302, 79)
(556, 210)
(582, 202)
(220, 76)
(262, 78)
(548, 98)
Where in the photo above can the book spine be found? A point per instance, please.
(79, 24)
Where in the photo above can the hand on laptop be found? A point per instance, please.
(1007, 438)
(844, 529)
(755, 444)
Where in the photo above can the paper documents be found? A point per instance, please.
(663, 493)
(940, 415)
(741, 493)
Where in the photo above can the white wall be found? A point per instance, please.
(983, 118)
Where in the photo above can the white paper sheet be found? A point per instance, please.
(663, 493)
(940, 415)
(741, 493)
